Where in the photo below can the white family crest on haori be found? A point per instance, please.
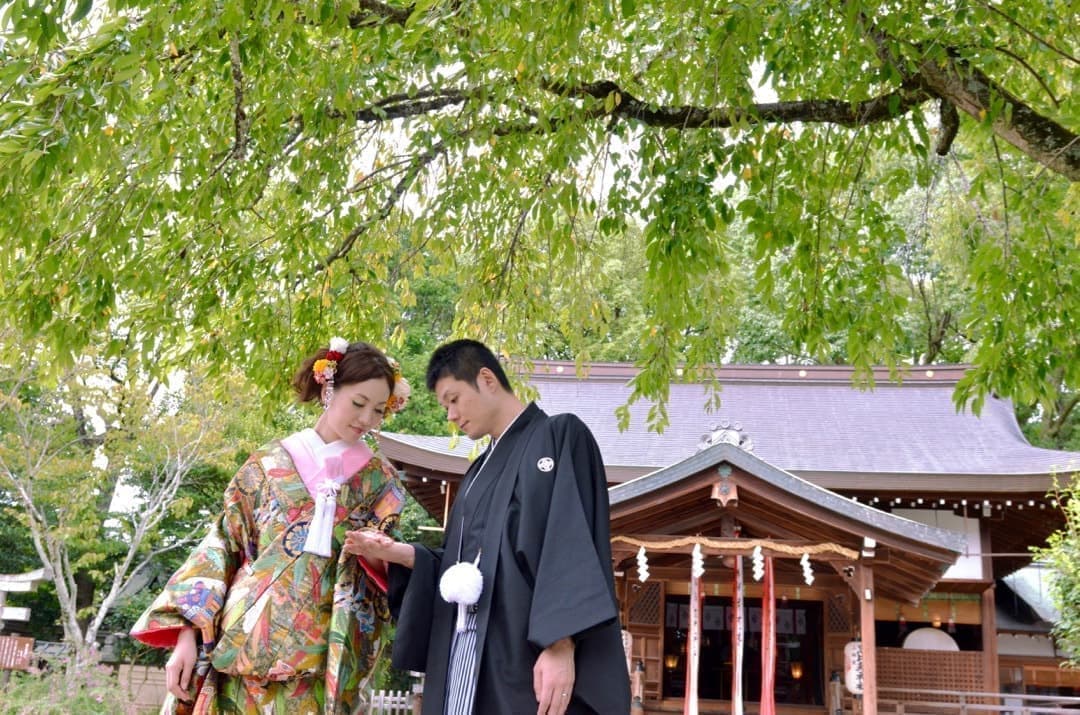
(545, 464)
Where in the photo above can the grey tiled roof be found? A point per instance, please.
(817, 423)
(460, 446)
(815, 426)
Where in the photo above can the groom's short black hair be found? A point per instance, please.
(463, 360)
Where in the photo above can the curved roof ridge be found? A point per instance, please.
(569, 369)
(812, 425)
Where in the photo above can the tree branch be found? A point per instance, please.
(504, 129)
(240, 120)
(953, 79)
(950, 127)
(387, 206)
(1042, 139)
(835, 111)
(1066, 403)
(1028, 32)
(398, 106)
(1031, 71)
(372, 12)
(957, 84)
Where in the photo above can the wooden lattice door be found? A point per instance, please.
(644, 620)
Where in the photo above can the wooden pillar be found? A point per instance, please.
(864, 593)
(991, 672)
(417, 692)
(992, 677)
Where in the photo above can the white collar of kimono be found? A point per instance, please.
(317, 461)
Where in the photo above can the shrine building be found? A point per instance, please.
(888, 518)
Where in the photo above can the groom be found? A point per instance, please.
(532, 514)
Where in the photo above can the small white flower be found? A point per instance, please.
(339, 345)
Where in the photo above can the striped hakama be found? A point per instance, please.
(461, 674)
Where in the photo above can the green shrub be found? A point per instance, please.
(93, 690)
(1062, 555)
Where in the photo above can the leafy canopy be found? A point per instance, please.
(234, 180)
(1062, 555)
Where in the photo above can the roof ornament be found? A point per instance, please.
(725, 491)
(726, 432)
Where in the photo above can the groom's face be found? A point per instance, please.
(470, 407)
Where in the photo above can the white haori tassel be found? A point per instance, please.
(321, 531)
(462, 584)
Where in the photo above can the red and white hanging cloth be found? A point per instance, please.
(768, 641)
(738, 636)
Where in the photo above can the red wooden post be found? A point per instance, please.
(864, 578)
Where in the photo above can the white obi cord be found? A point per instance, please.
(321, 531)
(462, 584)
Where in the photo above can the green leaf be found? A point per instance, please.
(82, 9)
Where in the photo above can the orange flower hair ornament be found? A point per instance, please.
(324, 368)
(400, 396)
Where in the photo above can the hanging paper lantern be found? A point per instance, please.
(853, 667)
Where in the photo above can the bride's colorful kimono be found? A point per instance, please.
(284, 630)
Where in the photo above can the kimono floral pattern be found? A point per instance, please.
(280, 626)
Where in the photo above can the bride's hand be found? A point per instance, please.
(369, 543)
(373, 544)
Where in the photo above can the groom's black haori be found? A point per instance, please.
(538, 514)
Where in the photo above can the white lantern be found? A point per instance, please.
(853, 674)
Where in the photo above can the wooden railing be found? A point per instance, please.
(390, 702)
(909, 701)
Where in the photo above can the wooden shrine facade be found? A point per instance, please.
(834, 560)
(936, 505)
